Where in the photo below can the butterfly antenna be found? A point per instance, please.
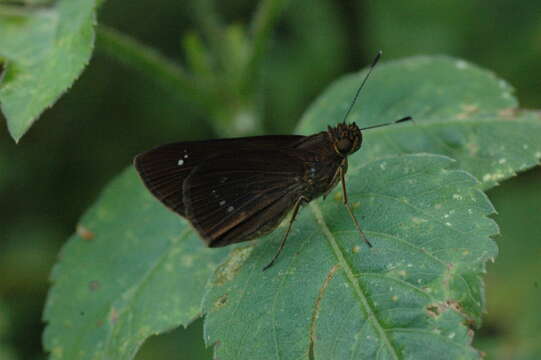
(374, 62)
(407, 118)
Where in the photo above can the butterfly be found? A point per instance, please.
(239, 189)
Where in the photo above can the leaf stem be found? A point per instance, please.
(266, 14)
(264, 19)
(10, 9)
(149, 62)
(212, 28)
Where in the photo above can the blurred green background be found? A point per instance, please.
(113, 112)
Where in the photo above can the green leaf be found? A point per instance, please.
(330, 297)
(133, 270)
(46, 49)
(130, 280)
(460, 111)
(375, 305)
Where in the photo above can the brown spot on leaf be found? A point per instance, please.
(94, 285)
(453, 304)
(508, 113)
(84, 233)
(436, 309)
(470, 323)
(227, 271)
(113, 316)
(448, 274)
(467, 111)
(433, 310)
(220, 302)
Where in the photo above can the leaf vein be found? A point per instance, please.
(316, 210)
(317, 308)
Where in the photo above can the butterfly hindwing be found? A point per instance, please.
(226, 197)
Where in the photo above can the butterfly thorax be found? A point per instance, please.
(328, 153)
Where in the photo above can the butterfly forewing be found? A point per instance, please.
(165, 168)
(237, 196)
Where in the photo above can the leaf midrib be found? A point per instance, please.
(370, 315)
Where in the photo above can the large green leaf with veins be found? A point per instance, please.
(132, 270)
(45, 48)
(460, 111)
(416, 294)
(412, 295)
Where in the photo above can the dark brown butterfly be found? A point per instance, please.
(234, 190)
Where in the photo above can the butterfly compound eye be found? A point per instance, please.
(344, 145)
(346, 138)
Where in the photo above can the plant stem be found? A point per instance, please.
(212, 28)
(266, 14)
(149, 62)
(264, 19)
(10, 9)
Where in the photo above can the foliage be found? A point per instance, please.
(409, 297)
(132, 270)
(232, 79)
(459, 110)
(428, 224)
(46, 48)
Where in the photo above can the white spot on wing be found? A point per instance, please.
(231, 208)
(222, 203)
(180, 162)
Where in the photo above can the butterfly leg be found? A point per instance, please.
(296, 208)
(348, 206)
(334, 180)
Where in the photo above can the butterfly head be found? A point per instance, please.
(346, 138)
